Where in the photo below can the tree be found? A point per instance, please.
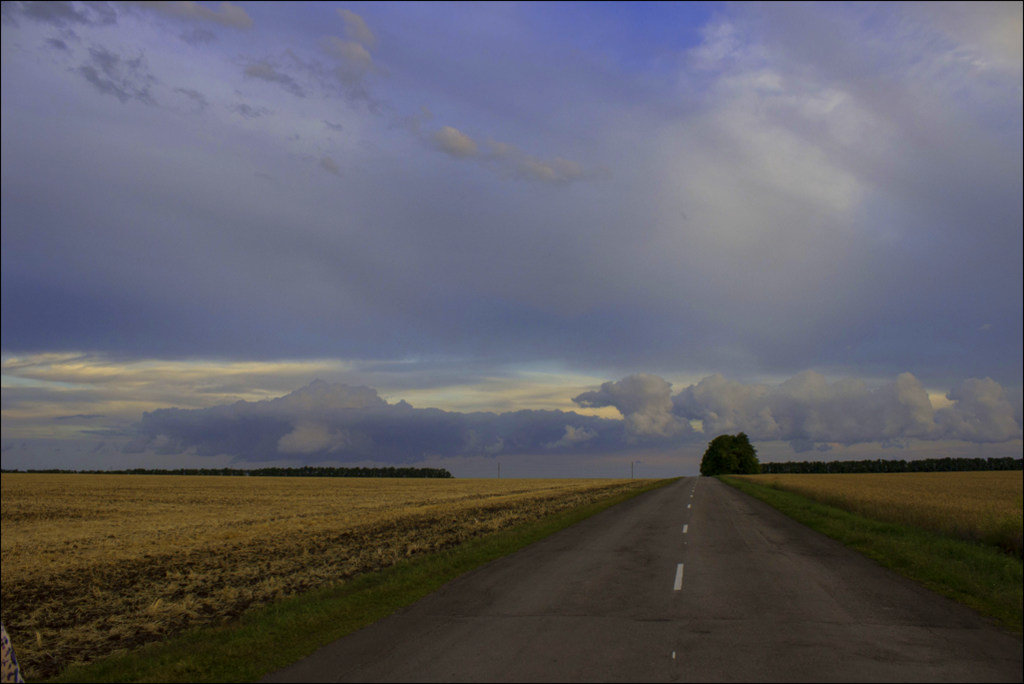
(730, 454)
(746, 455)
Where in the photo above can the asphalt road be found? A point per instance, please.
(691, 582)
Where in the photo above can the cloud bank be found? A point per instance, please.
(325, 421)
(348, 423)
(809, 412)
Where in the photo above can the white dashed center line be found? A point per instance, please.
(679, 578)
(684, 528)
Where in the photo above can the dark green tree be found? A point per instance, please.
(746, 455)
(730, 454)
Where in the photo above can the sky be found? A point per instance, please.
(569, 238)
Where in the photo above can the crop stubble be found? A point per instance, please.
(977, 506)
(93, 564)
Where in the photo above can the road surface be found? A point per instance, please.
(690, 582)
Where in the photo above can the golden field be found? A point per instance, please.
(96, 563)
(978, 506)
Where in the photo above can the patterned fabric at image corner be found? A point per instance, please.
(11, 673)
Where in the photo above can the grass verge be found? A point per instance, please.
(977, 575)
(275, 635)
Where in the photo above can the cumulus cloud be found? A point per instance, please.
(645, 403)
(226, 13)
(727, 406)
(810, 412)
(454, 142)
(324, 399)
(981, 412)
(356, 28)
(354, 59)
(346, 423)
(353, 63)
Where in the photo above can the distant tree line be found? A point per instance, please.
(306, 471)
(924, 465)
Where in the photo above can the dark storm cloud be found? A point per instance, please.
(346, 423)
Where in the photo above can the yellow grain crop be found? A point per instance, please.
(96, 563)
(978, 506)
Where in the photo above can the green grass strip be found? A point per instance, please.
(980, 576)
(273, 636)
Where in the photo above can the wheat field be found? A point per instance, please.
(92, 564)
(977, 506)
